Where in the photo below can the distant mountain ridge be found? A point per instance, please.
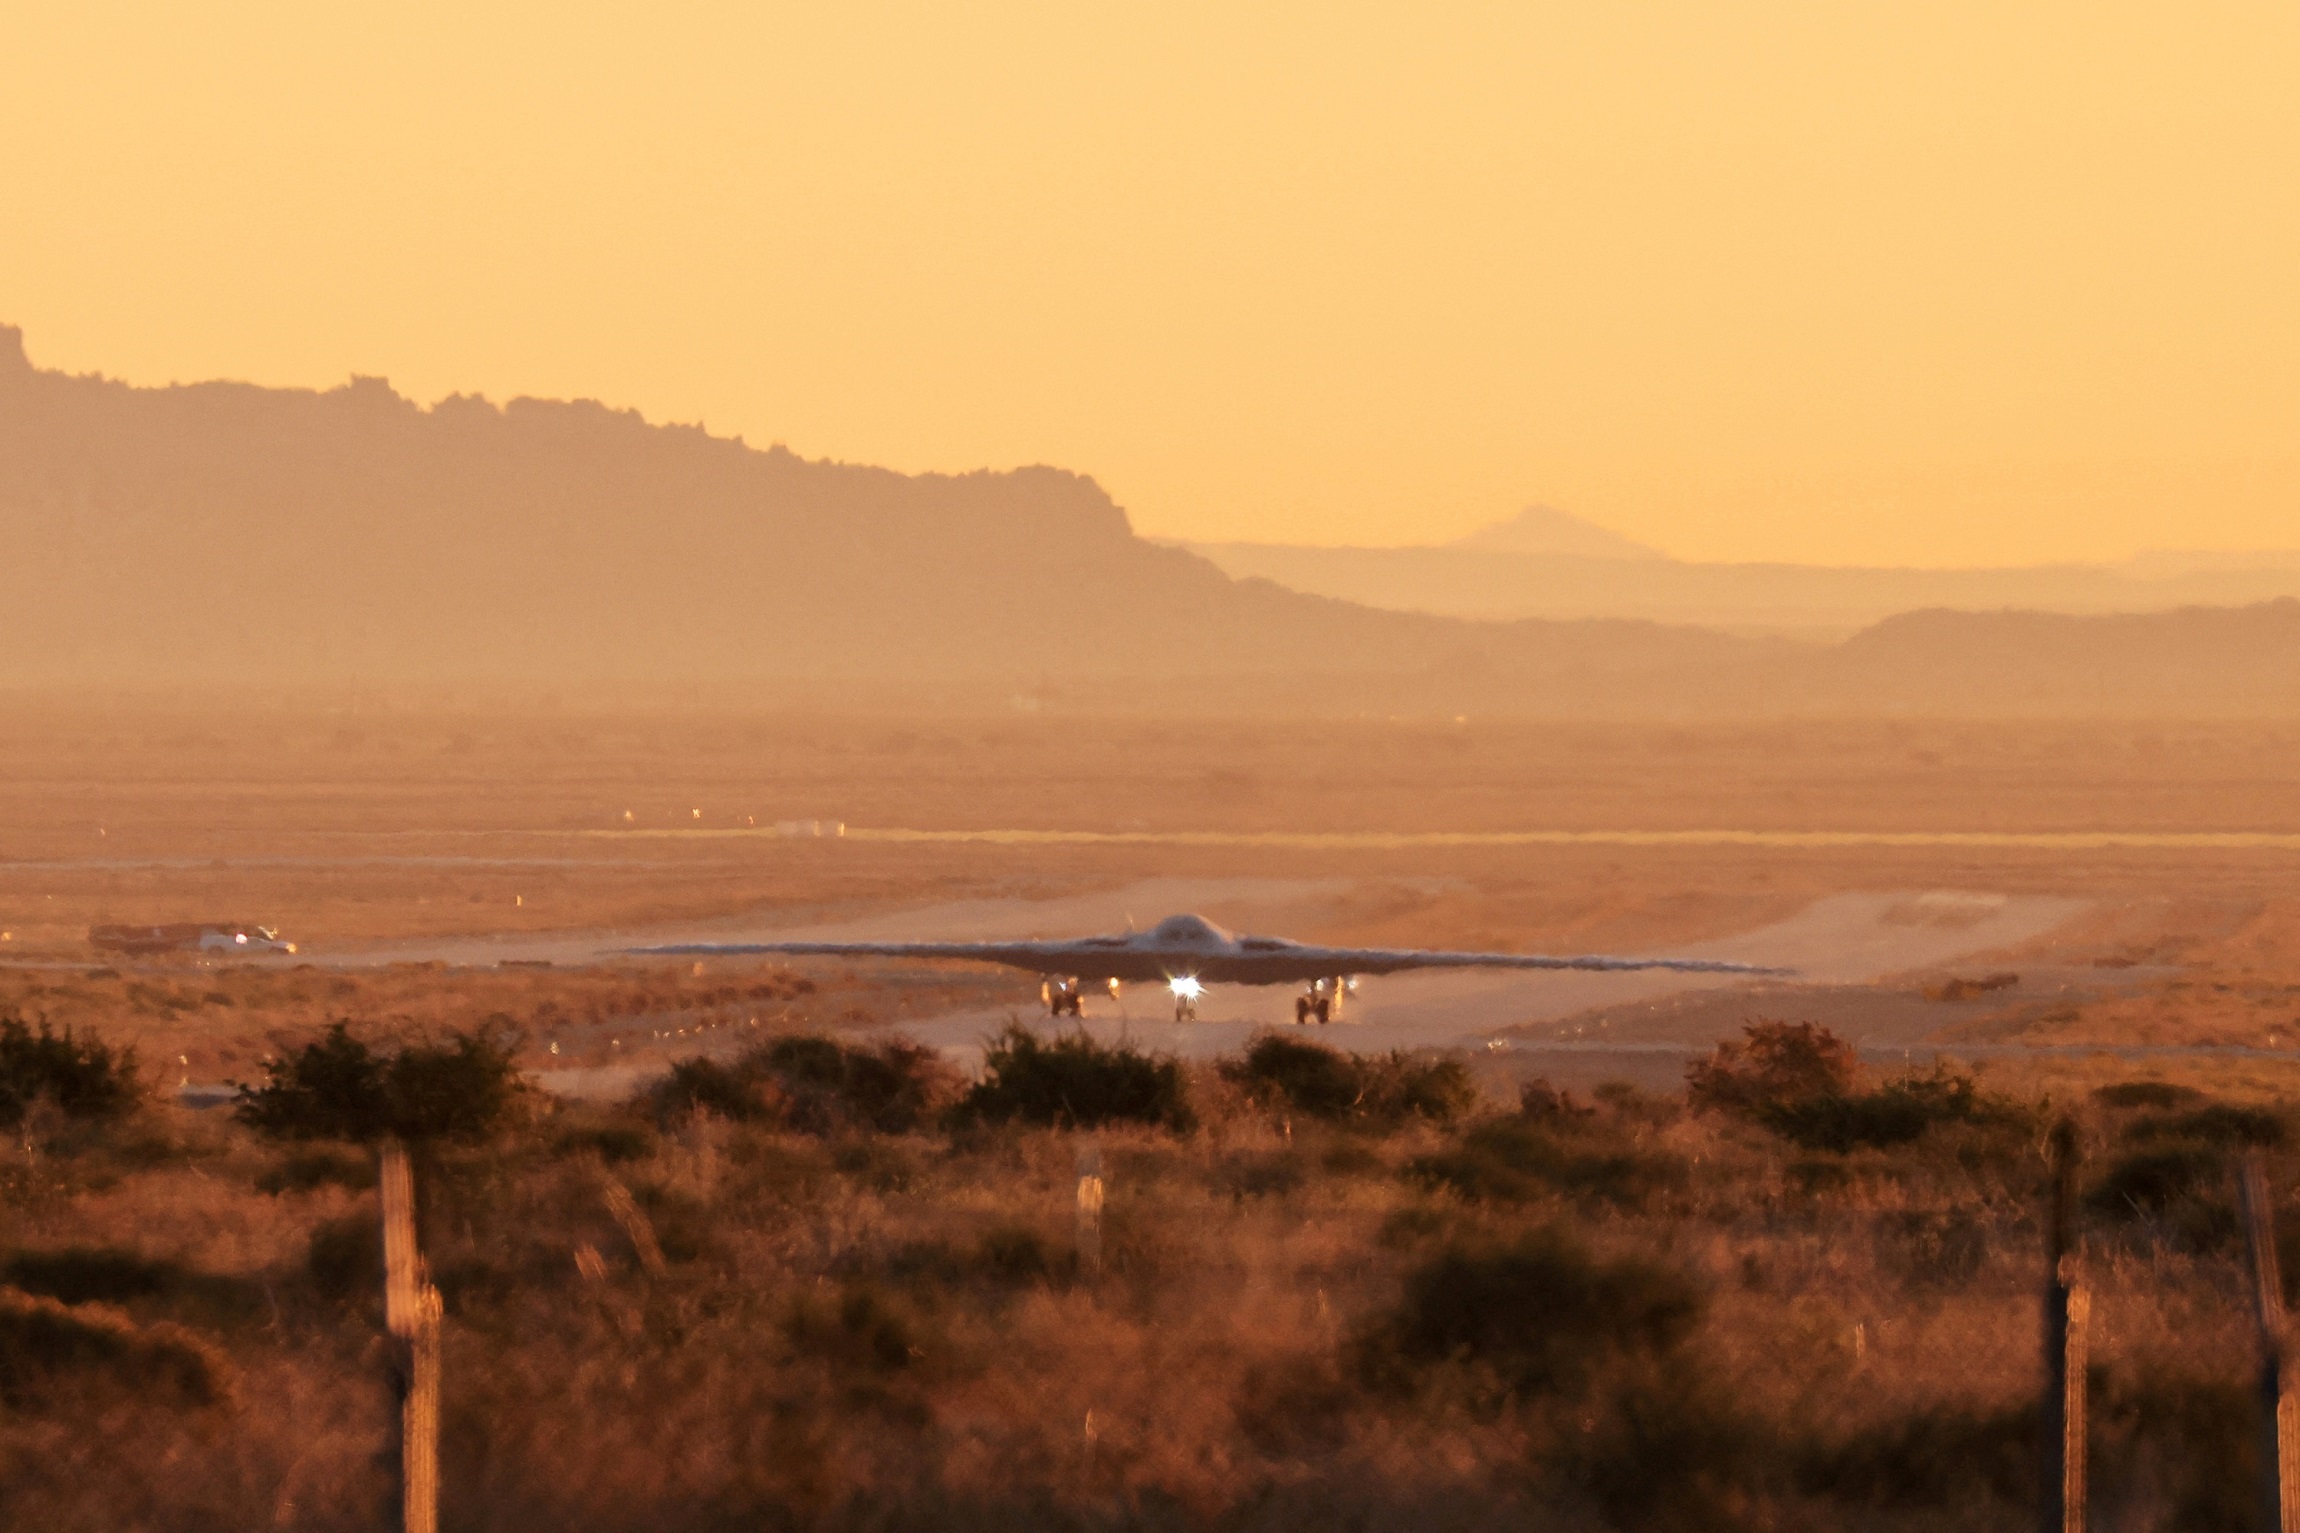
(1547, 530)
(221, 531)
(1498, 575)
(226, 535)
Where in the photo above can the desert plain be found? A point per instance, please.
(2136, 875)
(827, 1323)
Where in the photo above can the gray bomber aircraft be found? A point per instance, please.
(1187, 953)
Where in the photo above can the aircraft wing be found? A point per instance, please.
(1305, 962)
(1253, 962)
(1040, 957)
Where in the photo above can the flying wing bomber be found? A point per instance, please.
(1186, 953)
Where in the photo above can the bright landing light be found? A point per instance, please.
(1186, 986)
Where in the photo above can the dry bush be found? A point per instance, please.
(1075, 1081)
(1576, 1315)
(1379, 1092)
(44, 1342)
(815, 1084)
(1798, 1080)
(338, 1087)
(82, 1076)
(1536, 1315)
(1772, 1064)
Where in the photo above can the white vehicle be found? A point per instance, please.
(190, 937)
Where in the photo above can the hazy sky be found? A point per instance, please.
(1928, 282)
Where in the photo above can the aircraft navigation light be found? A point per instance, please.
(1186, 986)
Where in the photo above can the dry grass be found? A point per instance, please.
(890, 1331)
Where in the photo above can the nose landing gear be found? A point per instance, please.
(1062, 993)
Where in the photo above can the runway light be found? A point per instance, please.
(1186, 986)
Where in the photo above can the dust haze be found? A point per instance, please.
(469, 700)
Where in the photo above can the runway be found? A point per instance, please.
(1839, 940)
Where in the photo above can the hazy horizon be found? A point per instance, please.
(1936, 289)
(1584, 537)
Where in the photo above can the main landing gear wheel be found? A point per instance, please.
(1323, 1000)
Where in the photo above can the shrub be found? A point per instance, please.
(323, 1167)
(1540, 1102)
(1664, 1448)
(339, 1088)
(2183, 1445)
(1538, 1314)
(1508, 1160)
(1945, 1248)
(893, 1087)
(815, 1084)
(1436, 1090)
(331, 1089)
(463, 1089)
(2196, 1437)
(1013, 1253)
(1320, 1082)
(869, 1330)
(1075, 1082)
(2218, 1124)
(2126, 1094)
(345, 1258)
(44, 1340)
(84, 1077)
(614, 1143)
(1895, 1113)
(1934, 1456)
(107, 1275)
(1307, 1077)
(1771, 1064)
(702, 1084)
(2152, 1181)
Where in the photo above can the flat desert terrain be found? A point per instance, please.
(439, 868)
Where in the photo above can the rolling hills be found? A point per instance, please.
(226, 535)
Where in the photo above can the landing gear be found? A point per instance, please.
(1185, 1007)
(1062, 993)
(1323, 1000)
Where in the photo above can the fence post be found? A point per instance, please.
(633, 1218)
(2067, 1313)
(411, 1312)
(2280, 1408)
(1090, 1210)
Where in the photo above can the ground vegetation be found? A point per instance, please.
(811, 1286)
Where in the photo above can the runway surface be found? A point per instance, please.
(1582, 1023)
(1842, 939)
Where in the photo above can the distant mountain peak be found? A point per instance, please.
(1547, 530)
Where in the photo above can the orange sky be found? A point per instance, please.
(1920, 283)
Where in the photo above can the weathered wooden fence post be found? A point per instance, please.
(1090, 1210)
(2067, 1309)
(411, 1311)
(2279, 1406)
(633, 1218)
